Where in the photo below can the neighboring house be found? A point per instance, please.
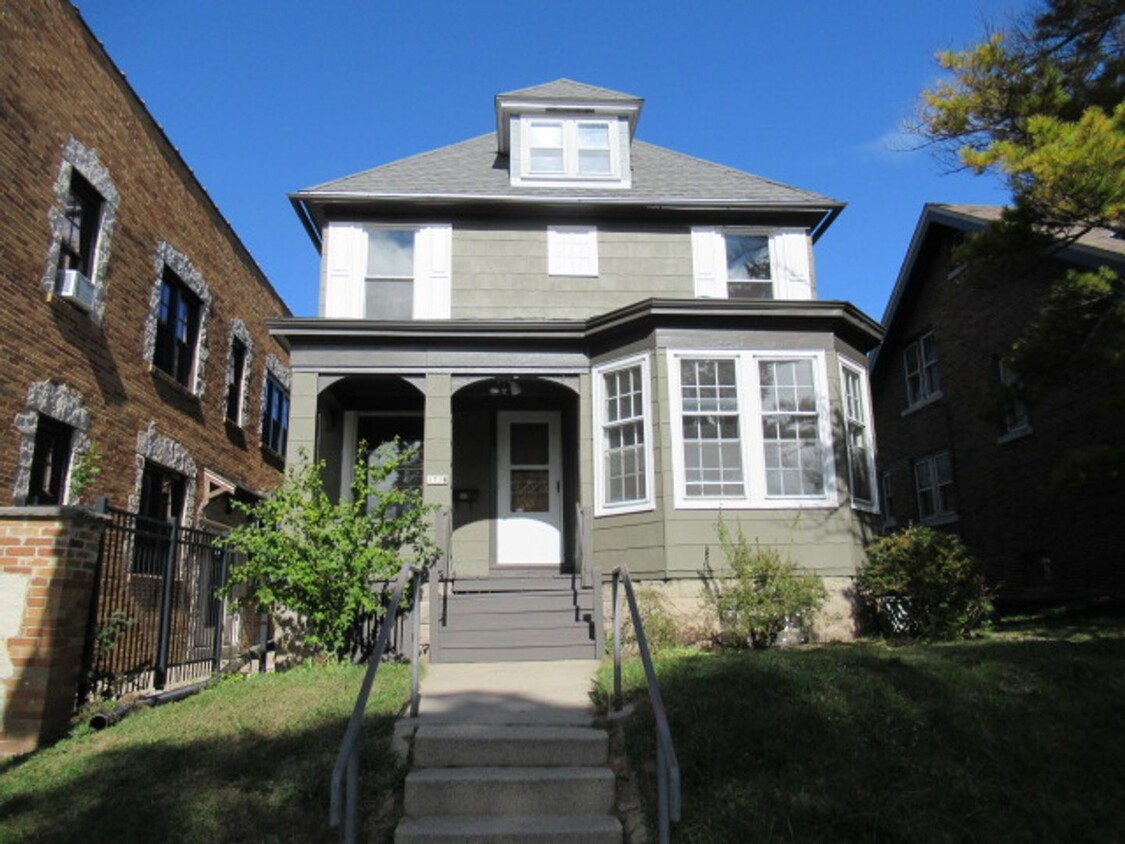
(601, 345)
(957, 450)
(132, 315)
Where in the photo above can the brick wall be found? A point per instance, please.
(57, 84)
(48, 557)
(1035, 536)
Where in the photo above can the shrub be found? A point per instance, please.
(328, 561)
(766, 593)
(662, 632)
(924, 583)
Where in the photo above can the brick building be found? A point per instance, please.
(133, 316)
(132, 326)
(956, 451)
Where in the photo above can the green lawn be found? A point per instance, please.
(1018, 736)
(246, 761)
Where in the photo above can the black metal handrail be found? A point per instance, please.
(345, 772)
(668, 783)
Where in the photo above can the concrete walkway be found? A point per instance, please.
(508, 693)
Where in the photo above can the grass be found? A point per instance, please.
(1018, 737)
(248, 760)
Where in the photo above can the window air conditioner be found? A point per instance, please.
(76, 288)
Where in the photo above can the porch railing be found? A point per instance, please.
(345, 771)
(668, 784)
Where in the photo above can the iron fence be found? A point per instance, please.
(157, 619)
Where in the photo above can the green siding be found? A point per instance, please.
(502, 273)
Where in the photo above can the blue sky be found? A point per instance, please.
(265, 97)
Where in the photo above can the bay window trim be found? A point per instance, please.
(750, 431)
(872, 505)
(603, 507)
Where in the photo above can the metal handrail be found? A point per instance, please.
(668, 782)
(345, 772)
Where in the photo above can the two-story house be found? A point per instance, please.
(602, 346)
(961, 451)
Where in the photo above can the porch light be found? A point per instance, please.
(505, 387)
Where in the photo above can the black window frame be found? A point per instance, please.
(160, 512)
(237, 386)
(50, 462)
(178, 318)
(275, 415)
(81, 222)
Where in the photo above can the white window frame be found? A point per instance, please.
(750, 430)
(570, 172)
(939, 516)
(848, 405)
(603, 507)
(914, 363)
(791, 266)
(572, 251)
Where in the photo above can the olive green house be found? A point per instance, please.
(601, 346)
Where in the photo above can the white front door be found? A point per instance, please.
(529, 488)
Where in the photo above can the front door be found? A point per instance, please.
(529, 488)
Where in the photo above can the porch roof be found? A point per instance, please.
(839, 318)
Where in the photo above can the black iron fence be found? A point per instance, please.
(157, 618)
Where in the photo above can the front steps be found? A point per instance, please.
(506, 784)
(516, 615)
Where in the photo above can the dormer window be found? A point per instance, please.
(570, 148)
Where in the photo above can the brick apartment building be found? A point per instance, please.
(132, 325)
(955, 452)
(133, 316)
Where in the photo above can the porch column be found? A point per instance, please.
(302, 418)
(438, 448)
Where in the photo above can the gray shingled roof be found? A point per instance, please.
(1100, 239)
(473, 168)
(568, 89)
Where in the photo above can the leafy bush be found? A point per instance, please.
(924, 583)
(766, 593)
(326, 561)
(662, 631)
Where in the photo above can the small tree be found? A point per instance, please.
(766, 592)
(324, 560)
(922, 582)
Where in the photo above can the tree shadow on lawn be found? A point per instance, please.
(247, 788)
(985, 741)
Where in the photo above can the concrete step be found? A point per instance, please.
(534, 829)
(454, 652)
(479, 745)
(509, 791)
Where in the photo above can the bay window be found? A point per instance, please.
(857, 425)
(750, 429)
(623, 468)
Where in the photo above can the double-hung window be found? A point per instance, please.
(712, 437)
(624, 465)
(923, 378)
(81, 215)
(1016, 419)
(177, 329)
(750, 429)
(570, 148)
(236, 387)
(748, 272)
(751, 263)
(389, 280)
(275, 415)
(933, 483)
(50, 462)
(857, 424)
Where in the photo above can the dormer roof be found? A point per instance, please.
(563, 96)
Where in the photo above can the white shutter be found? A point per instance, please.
(709, 258)
(433, 271)
(345, 261)
(789, 256)
(572, 250)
